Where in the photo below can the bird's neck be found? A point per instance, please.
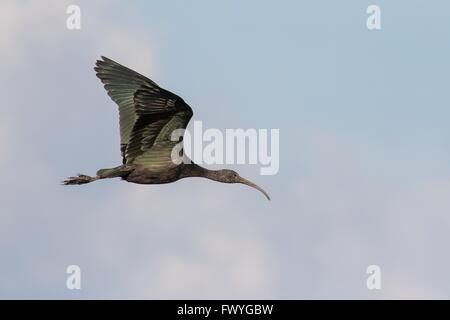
(194, 170)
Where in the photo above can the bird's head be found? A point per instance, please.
(230, 176)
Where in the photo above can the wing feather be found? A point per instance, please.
(121, 84)
(148, 114)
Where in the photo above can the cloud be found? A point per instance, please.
(361, 219)
(161, 250)
(335, 208)
(31, 24)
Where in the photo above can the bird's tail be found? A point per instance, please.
(80, 179)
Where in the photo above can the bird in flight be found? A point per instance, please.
(148, 116)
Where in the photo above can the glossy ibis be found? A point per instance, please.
(148, 116)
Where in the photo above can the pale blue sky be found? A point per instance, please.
(364, 150)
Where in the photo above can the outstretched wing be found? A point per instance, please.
(121, 83)
(148, 114)
(158, 115)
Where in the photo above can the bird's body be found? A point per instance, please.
(148, 116)
(143, 175)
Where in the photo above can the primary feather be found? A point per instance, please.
(148, 114)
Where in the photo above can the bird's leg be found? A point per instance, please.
(80, 179)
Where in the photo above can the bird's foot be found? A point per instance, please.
(80, 179)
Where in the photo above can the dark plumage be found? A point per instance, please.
(148, 116)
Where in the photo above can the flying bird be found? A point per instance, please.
(148, 116)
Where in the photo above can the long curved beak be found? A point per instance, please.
(251, 184)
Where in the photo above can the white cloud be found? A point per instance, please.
(220, 266)
(185, 254)
(193, 238)
(362, 220)
(29, 24)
